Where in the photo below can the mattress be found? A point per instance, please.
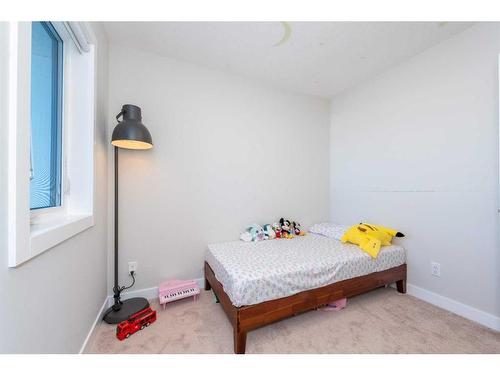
(254, 272)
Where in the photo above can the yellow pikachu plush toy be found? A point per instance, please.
(370, 237)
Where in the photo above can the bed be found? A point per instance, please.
(263, 282)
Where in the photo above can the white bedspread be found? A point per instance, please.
(254, 272)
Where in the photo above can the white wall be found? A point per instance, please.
(48, 304)
(228, 152)
(416, 148)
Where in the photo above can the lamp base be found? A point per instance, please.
(128, 307)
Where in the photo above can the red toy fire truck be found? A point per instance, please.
(135, 322)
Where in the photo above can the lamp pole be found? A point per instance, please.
(116, 288)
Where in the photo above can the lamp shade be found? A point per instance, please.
(130, 132)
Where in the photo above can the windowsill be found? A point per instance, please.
(46, 235)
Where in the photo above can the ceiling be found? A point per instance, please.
(316, 58)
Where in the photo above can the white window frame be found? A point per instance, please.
(31, 233)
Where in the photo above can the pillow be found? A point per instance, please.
(330, 230)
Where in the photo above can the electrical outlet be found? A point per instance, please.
(132, 266)
(435, 269)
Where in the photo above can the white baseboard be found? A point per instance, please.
(148, 293)
(459, 308)
(97, 319)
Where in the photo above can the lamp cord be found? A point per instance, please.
(122, 288)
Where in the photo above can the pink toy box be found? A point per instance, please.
(173, 290)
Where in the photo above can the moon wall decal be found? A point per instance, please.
(287, 31)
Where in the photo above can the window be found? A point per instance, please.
(51, 101)
(46, 116)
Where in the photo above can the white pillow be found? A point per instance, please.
(330, 230)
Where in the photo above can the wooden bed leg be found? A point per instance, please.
(401, 285)
(240, 341)
(207, 285)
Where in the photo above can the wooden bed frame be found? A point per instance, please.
(247, 318)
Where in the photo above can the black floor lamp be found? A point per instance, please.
(130, 133)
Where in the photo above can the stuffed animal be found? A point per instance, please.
(277, 230)
(370, 237)
(269, 233)
(253, 233)
(257, 232)
(286, 230)
(296, 229)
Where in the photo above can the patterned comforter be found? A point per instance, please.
(254, 272)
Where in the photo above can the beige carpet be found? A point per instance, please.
(381, 321)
